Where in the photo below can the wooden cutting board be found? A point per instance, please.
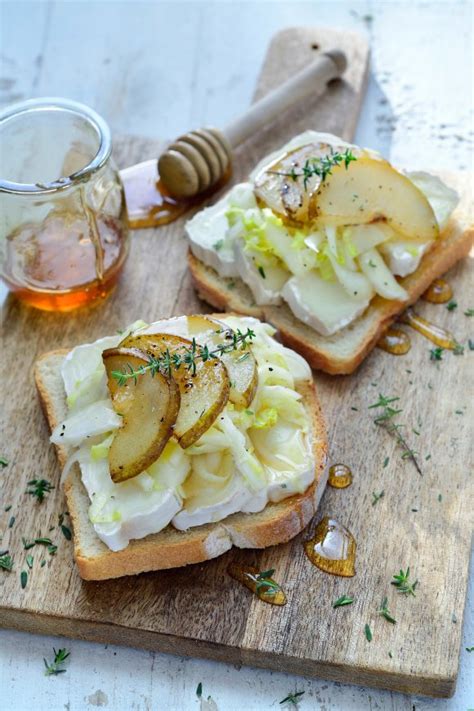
(421, 522)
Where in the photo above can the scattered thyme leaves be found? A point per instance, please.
(377, 497)
(7, 508)
(4, 462)
(39, 488)
(261, 271)
(469, 312)
(403, 584)
(29, 561)
(440, 497)
(436, 353)
(368, 633)
(469, 649)
(386, 420)
(168, 361)
(56, 666)
(385, 462)
(264, 583)
(6, 562)
(292, 698)
(23, 579)
(452, 306)
(342, 601)
(66, 532)
(199, 690)
(11, 522)
(385, 612)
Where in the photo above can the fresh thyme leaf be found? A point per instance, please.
(39, 488)
(11, 522)
(385, 462)
(6, 562)
(23, 579)
(43, 563)
(55, 667)
(266, 574)
(452, 305)
(292, 698)
(390, 655)
(368, 633)
(343, 600)
(458, 412)
(7, 508)
(199, 690)
(218, 245)
(471, 344)
(377, 497)
(469, 649)
(440, 497)
(43, 541)
(386, 420)
(27, 544)
(265, 584)
(29, 561)
(372, 264)
(403, 584)
(185, 356)
(385, 612)
(356, 409)
(4, 462)
(66, 532)
(428, 456)
(436, 353)
(261, 271)
(458, 349)
(469, 312)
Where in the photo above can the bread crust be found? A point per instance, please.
(171, 548)
(342, 353)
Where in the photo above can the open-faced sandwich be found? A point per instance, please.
(183, 438)
(329, 243)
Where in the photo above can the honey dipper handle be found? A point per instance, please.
(310, 80)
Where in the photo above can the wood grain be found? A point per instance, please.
(199, 610)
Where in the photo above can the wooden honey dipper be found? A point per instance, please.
(197, 160)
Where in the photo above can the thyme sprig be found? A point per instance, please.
(292, 698)
(403, 584)
(322, 167)
(6, 562)
(385, 420)
(56, 666)
(185, 356)
(385, 612)
(39, 488)
(265, 584)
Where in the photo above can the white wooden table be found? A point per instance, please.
(157, 69)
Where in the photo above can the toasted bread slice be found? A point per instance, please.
(171, 548)
(344, 351)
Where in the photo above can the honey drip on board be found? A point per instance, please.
(248, 576)
(439, 292)
(395, 341)
(149, 204)
(332, 548)
(437, 335)
(340, 476)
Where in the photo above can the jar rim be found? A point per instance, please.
(85, 112)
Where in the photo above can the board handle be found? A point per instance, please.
(311, 80)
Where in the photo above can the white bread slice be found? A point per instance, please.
(170, 548)
(344, 351)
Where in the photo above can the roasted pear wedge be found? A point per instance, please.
(369, 190)
(204, 393)
(240, 363)
(149, 406)
(290, 198)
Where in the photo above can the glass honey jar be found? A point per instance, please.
(63, 223)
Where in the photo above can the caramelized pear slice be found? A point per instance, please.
(240, 363)
(370, 189)
(204, 393)
(287, 196)
(149, 406)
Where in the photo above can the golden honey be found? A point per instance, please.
(248, 575)
(332, 548)
(439, 292)
(437, 335)
(340, 476)
(395, 341)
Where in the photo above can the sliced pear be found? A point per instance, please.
(380, 276)
(204, 393)
(285, 195)
(241, 364)
(370, 189)
(149, 407)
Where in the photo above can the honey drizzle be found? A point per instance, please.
(439, 292)
(395, 341)
(340, 476)
(248, 576)
(149, 204)
(437, 335)
(332, 548)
